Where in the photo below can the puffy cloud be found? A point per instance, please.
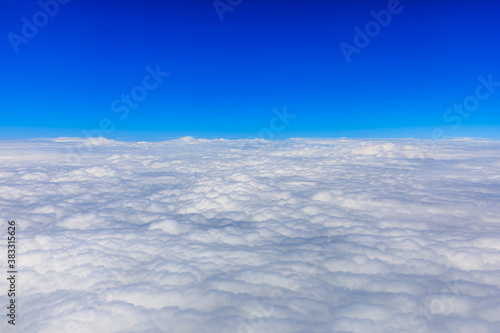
(302, 235)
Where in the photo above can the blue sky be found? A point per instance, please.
(225, 77)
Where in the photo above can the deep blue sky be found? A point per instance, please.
(226, 77)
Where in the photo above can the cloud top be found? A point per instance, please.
(302, 235)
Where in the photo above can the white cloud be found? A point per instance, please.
(303, 235)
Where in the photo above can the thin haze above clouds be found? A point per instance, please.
(299, 235)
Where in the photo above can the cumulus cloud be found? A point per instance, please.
(301, 235)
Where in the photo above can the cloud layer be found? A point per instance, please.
(249, 236)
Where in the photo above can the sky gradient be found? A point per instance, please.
(232, 69)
